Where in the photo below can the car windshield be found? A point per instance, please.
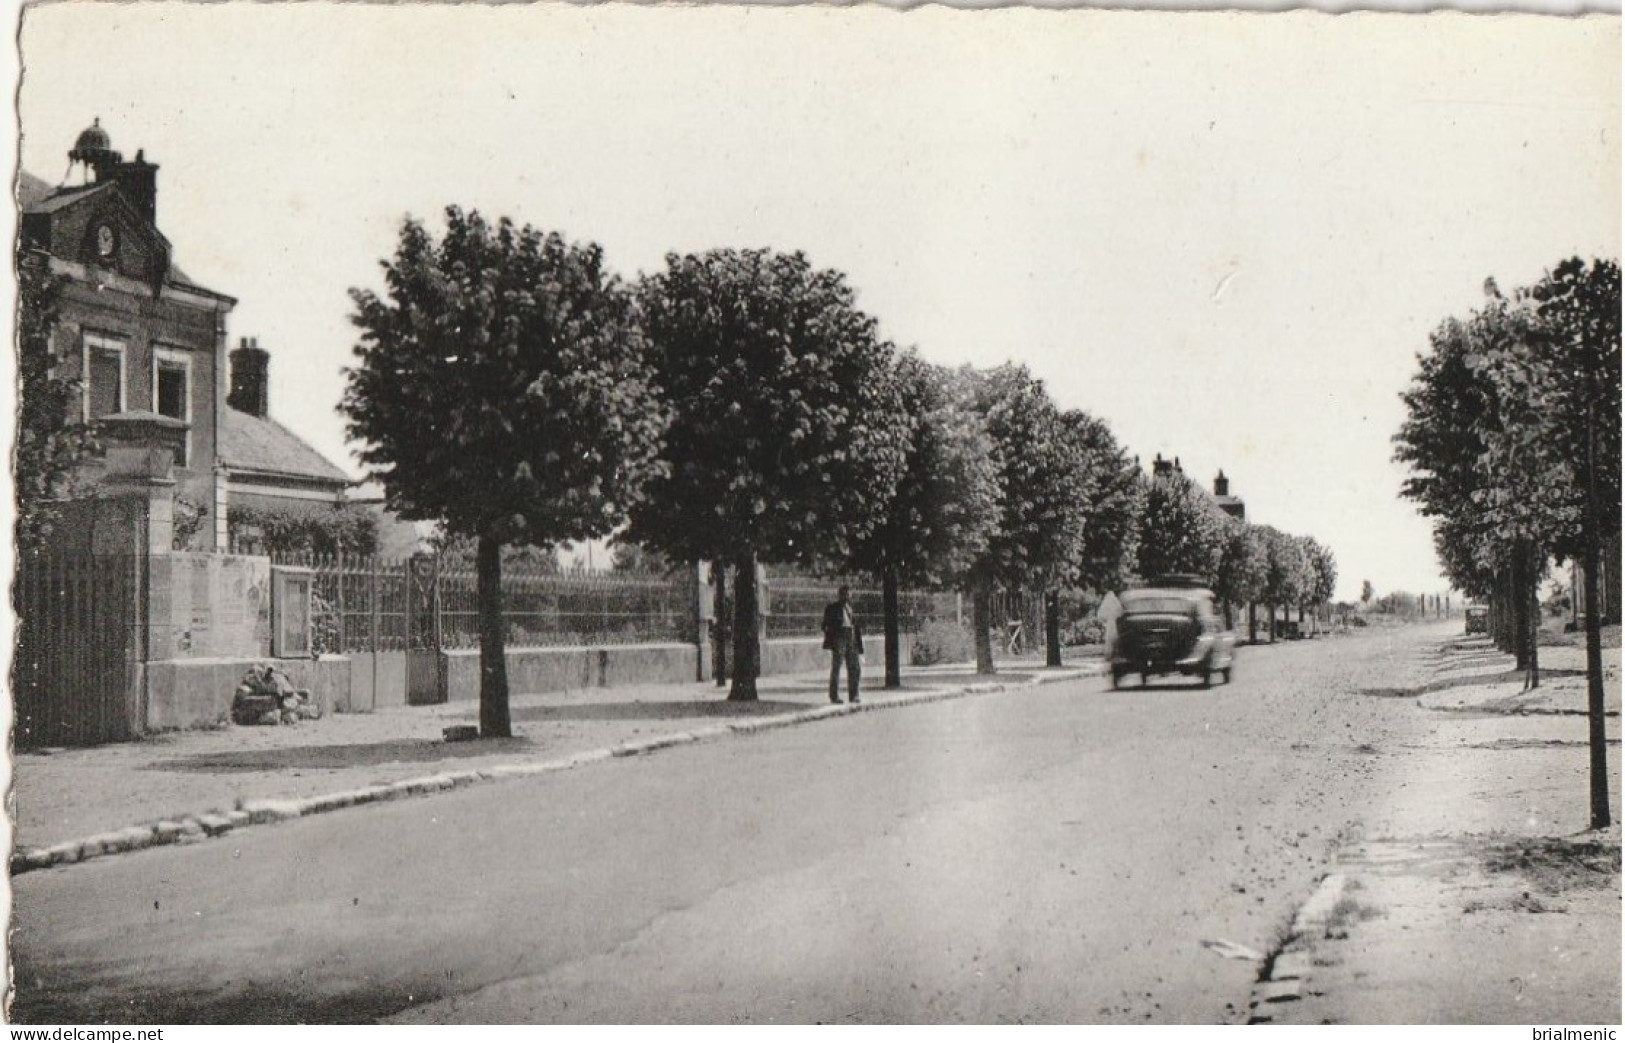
(1161, 606)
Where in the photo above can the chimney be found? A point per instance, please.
(250, 379)
(1161, 467)
(1221, 485)
(138, 180)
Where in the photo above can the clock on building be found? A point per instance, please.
(106, 240)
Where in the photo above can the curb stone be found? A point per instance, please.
(1289, 970)
(263, 811)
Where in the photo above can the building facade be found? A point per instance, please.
(149, 345)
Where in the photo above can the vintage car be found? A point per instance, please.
(1478, 619)
(1170, 629)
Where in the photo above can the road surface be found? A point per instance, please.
(1056, 854)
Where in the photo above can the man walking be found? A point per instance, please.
(843, 639)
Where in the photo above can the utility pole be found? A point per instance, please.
(1600, 818)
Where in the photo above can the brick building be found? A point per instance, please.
(150, 345)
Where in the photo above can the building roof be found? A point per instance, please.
(262, 446)
(35, 195)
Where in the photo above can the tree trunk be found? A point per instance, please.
(1595, 707)
(1052, 628)
(1252, 622)
(894, 641)
(1520, 608)
(981, 621)
(747, 665)
(1500, 613)
(495, 722)
(1272, 623)
(1533, 560)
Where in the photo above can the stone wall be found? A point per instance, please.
(197, 693)
(208, 606)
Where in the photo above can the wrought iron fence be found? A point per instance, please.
(369, 604)
(795, 605)
(550, 609)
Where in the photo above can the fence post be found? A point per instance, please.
(374, 624)
(338, 571)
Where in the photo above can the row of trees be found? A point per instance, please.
(1512, 437)
(1182, 530)
(737, 407)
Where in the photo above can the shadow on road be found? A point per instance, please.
(1466, 680)
(340, 755)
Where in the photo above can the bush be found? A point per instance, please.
(1090, 631)
(941, 641)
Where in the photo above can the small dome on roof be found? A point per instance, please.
(93, 137)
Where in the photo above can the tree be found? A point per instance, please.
(1581, 305)
(502, 388)
(1243, 566)
(1114, 498)
(1283, 573)
(1109, 499)
(1512, 437)
(945, 506)
(1322, 576)
(788, 433)
(1181, 531)
(1453, 408)
(626, 556)
(1038, 541)
(51, 442)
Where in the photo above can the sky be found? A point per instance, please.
(1227, 235)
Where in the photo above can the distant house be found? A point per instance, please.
(1231, 505)
(266, 465)
(148, 344)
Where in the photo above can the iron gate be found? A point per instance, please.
(76, 675)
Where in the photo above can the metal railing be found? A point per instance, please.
(549, 609)
(371, 604)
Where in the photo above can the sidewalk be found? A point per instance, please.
(70, 805)
(1475, 893)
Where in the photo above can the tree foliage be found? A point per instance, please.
(1112, 499)
(1243, 567)
(1182, 529)
(340, 530)
(945, 505)
(1284, 570)
(51, 441)
(1322, 573)
(501, 385)
(1043, 480)
(502, 388)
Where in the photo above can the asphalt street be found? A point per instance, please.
(1055, 854)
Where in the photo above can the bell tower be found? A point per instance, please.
(138, 179)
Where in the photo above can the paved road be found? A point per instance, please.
(1059, 854)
